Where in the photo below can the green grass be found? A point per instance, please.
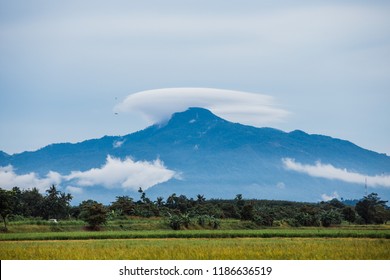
(141, 238)
(262, 233)
(200, 249)
(38, 225)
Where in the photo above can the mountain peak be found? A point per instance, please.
(194, 115)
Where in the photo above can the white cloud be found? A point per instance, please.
(9, 179)
(74, 190)
(126, 174)
(326, 197)
(237, 106)
(118, 143)
(115, 173)
(328, 171)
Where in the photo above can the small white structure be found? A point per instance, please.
(53, 221)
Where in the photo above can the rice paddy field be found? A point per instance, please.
(153, 241)
(200, 249)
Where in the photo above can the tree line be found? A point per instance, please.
(181, 211)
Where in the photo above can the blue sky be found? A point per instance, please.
(67, 66)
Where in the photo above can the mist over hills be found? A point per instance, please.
(197, 152)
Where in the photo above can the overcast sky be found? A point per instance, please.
(68, 66)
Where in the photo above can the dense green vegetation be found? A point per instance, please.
(46, 226)
(180, 212)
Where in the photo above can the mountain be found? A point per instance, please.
(213, 157)
(3, 155)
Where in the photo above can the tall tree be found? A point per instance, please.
(349, 214)
(240, 202)
(56, 204)
(200, 198)
(160, 201)
(17, 200)
(125, 204)
(371, 209)
(32, 201)
(94, 213)
(7, 205)
(247, 212)
(172, 201)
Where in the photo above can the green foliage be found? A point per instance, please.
(202, 220)
(31, 203)
(214, 223)
(307, 216)
(210, 221)
(335, 203)
(175, 221)
(247, 212)
(379, 232)
(94, 213)
(179, 221)
(187, 213)
(240, 202)
(7, 205)
(124, 205)
(56, 204)
(372, 209)
(230, 211)
(200, 199)
(349, 214)
(184, 221)
(264, 216)
(330, 217)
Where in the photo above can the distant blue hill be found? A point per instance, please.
(216, 158)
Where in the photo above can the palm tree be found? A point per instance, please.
(200, 198)
(171, 200)
(160, 201)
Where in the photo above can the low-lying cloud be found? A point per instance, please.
(328, 171)
(115, 173)
(126, 174)
(9, 179)
(118, 143)
(326, 197)
(237, 106)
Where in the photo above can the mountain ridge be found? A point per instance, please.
(217, 158)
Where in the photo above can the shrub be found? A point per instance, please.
(94, 213)
(202, 219)
(331, 217)
(247, 212)
(263, 217)
(307, 220)
(214, 223)
(175, 222)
